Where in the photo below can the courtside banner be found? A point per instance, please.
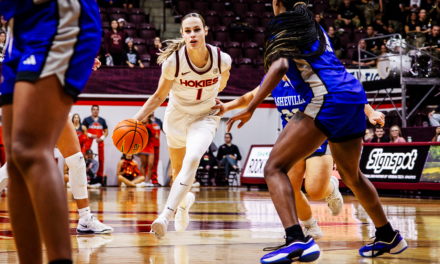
(394, 163)
(256, 161)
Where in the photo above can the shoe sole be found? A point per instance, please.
(187, 213)
(309, 255)
(79, 231)
(158, 230)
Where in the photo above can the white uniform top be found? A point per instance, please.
(194, 89)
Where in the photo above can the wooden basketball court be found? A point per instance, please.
(233, 225)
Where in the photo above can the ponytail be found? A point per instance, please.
(290, 32)
(176, 44)
(172, 46)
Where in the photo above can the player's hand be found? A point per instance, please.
(219, 105)
(244, 116)
(377, 118)
(96, 64)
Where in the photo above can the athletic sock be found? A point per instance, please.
(84, 213)
(294, 233)
(61, 261)
(309, 222)
(385, 233)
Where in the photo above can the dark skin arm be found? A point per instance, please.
(276, 72)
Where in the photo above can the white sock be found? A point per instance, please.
(197, 142)
(184, 202)
(309, 222)
(84, 213)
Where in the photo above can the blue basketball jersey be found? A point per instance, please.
(325, 75)
(288, 102)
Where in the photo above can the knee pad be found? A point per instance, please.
(77, 175)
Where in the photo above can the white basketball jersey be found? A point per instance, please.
(194, 89)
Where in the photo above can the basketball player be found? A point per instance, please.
(192, 73)
(296, 46)
(69, 147)
(48, 60)
(317, 167)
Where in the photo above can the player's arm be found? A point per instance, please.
(375, 117)
(241, 102)
(273, 77)
(224, 79)
(155, 100)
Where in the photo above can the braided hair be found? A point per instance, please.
(290, 32)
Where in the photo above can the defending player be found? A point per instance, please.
(48, 60)
(192, 73)
(296, 46)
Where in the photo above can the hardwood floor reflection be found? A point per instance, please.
(232, 226)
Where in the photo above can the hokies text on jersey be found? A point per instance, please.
(199, 84)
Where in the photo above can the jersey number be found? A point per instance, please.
(199, 94)
(287, 114)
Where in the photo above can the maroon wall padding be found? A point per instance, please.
(124, 80)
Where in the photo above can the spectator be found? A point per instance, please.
(81, 132)
(2, 45)
(425, 26)
(121, 23)
(435, 13)
(128, 172)
(368, 135)
(428, 5)
(391, 30)
(4, 24)
(395, 15)
(97, 129)
(156, 128)
(228, 154)
(436, 137)
(379, 136)
(92, 166)
(128, 4)
(434, 117)
(348, 15)
(318, 18)
(372, 44)
(364, 55)
(209, 162)
(335, 40)
(131, 56)
(383, 50)
(396, 135)
(114, 43)
(378, 25)
(412, 26)
(370, 7)
(147, 155)
(154, 50)
(435, 37)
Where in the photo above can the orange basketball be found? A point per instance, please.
(130, 137)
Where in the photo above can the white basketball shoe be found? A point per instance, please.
(181, 220)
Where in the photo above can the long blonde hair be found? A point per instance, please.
(176, 44)
(400, 133)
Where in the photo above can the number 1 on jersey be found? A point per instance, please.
(199, 93)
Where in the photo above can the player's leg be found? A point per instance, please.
(68, 145)
(321, 184)
(299, 139)
(144, 160)
(27, 238)
(156, 162)
(197, 142)
(101, 159)
(176, 156)
(150, 165)
(138, 179)
(50, 205)
(347, 155)
(296, 175)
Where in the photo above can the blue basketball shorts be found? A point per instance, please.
(339, 122)
(58, 38)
